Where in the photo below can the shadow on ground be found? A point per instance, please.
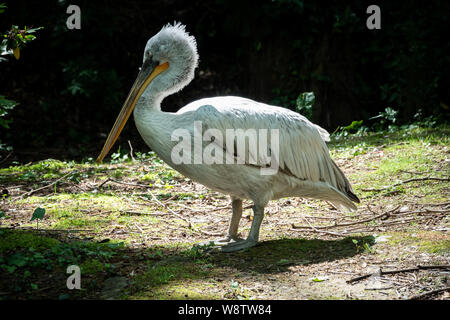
(34, 265)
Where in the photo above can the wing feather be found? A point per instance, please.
(302, 149)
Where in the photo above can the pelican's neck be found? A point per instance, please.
(149, 102)
(154, 125)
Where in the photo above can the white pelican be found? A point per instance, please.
(305, 168)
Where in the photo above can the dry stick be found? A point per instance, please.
(228, 207)
(125, 183)
(144, 213)
(400, 220)
(44, 187)
(349, 223)
(419, 267)
(429, 204)
(131, 150)
(104, 182)
(429, 293)
(140, 229)
(407, 181)
(426, 210)
(211, 233)
(192, 209)
(173, 212)
(319, 231)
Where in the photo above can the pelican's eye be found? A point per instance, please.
(148, 55)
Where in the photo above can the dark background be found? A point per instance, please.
(71, 83)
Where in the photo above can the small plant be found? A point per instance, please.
(388, 117)
(363, 246)
(38, 214)
(120, 156)
(198, 251)
(356, 127)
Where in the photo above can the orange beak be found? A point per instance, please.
(146, 75)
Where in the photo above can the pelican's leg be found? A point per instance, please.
(253, 236)
(234, 225)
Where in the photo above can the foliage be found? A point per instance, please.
(386, 121)
(387, 117)
(15, 39)
(12, 42)
(5, 106)
(24, 255)
(305, 102)
(74, 81)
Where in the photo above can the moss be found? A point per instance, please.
(438, 247)
(426, 241)
(13, 240)
(92, 266)
(179, 290)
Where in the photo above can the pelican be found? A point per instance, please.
(303, 168)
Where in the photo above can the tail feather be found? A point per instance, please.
(343, 185)
(324, 191)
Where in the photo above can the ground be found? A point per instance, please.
(133, 227)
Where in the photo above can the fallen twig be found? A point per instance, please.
(406, 181)
(313, 229)
(381, 272)
(138, 213)
(429, 293)
(47, 186)
(125, 183)
(131, 150)
(211, 233)
(173, 212)
(387, 213)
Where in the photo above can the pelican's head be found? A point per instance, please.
(176, 48)
(170, 59)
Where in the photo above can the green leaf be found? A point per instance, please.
(64, 296)
(2, 214)
(2, 7)
(38, 214)
(34, 29)
(319, 279)
(10, 269)
(17, 260)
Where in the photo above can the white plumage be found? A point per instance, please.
(305, 166)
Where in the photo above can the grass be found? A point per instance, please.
(117, 230)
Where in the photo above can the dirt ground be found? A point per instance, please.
(398, 239)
